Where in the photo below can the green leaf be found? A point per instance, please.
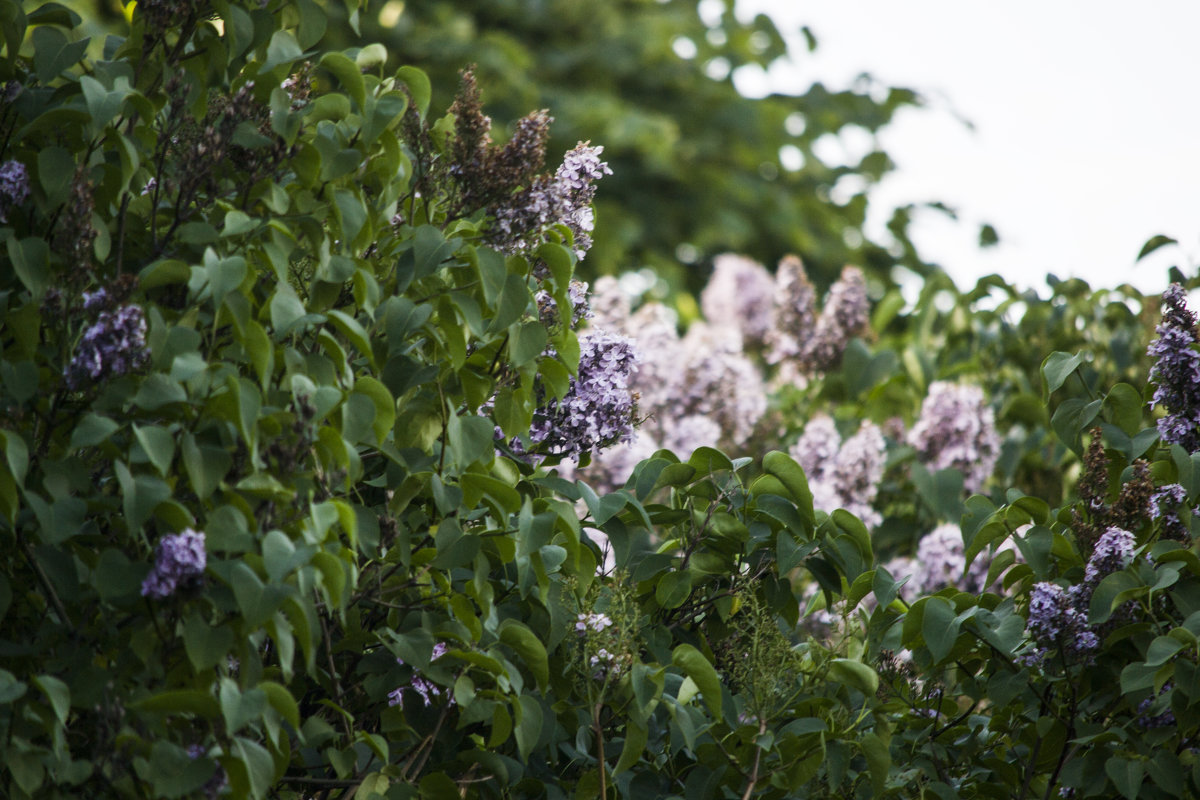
(180, 701)
(529, 725)
(57, 693)
(31, 259)
(1123, 405)
(526, 342)
(854, 674)
(418, 86)
(511, 304)
(471, 439)
(673, 589)
(283, 49)
(791, 475)
(636, 735)
(519, 637)
(1152, 244)
(939, 627)
(701, 671)
(1057, 367)
(879, 761)
(1126, 774)
(158, 444)
(206, 645)
(348, 74)
(240, 708)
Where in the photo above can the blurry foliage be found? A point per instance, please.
(697, 167)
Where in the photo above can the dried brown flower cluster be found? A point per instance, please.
(1129, 511)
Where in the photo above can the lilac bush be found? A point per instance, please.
(179, 563)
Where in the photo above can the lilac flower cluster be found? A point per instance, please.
(940, 561)
(844, 316)
(957, 429)
(592, 622)
(14, 187)
(1058, 617)
(563, 199)
(577, 292)
(740, 296)
(795, 313)
(1176, 372)
(717, 381)
(179, 562)
(425, 688)
(1163, 720)
(598, 409)
(115, 345)
(842, 474)
(1165, 504)
(1056, 623)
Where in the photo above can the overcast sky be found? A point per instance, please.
(1086, 126)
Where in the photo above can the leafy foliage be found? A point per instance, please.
(276, 522)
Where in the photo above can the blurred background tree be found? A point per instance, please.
(698, 168)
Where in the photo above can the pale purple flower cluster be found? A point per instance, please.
(1165, 505)
(425, 688)
(1113, 552)
(844, 316)
(563, 199)
(592, 622)
(842, 474)
(740, 296)
(14, 187)
(941, 560)
(957, 429)
(115, 345)
(1176, 372)
(795, 314)
(598, 408)
(716, 381)
(179, 562)
(577, 292)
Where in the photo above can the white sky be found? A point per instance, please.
(1086, 115)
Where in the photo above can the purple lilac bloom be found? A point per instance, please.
(115, 345)
(684, 435)
(1055, 622)
(577, 292)
(817, 447)
(1163, 720)
(957, 429)
(1172, 495)
(179, 562)
(563, 199)
(598, 408)
(740, 296)
(1176, 372)
(1113, 552)
(14, 187)
(720, 382)
(425, 688)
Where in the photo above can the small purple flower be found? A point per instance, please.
(425, 688)
(1176, 372)
(14, 187)
(115, 345)
(179, 562)
(592, 622)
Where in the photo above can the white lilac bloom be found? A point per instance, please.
(115, 345)
(179, 562)
(653, 328)
(957, 429)
(795, 313)
(740, 295)
(14, 187)
(610, 305)
(598, 408)
(817, 447)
